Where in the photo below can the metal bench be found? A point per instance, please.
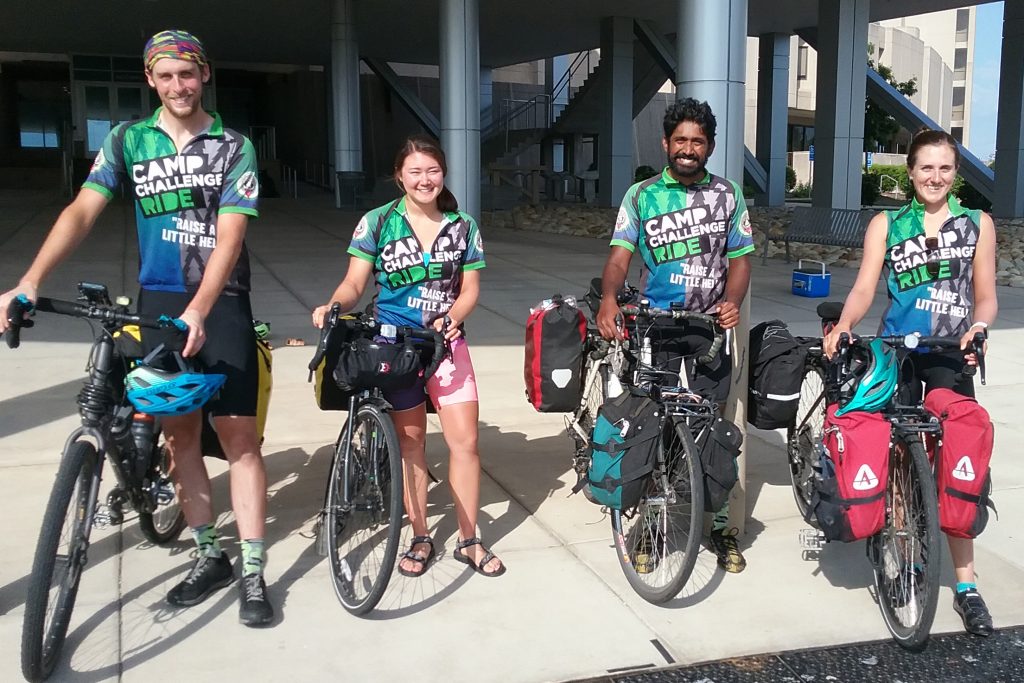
(822, 225)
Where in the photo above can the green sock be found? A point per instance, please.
(252, 556)
(206, 540)
(721, 520)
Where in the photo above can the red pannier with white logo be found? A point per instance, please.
(555, 334)
(851, 475)
(964, 476)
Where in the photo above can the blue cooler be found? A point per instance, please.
(811, 282)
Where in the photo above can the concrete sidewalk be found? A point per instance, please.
(563, 611)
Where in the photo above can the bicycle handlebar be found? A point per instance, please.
(369, 326)
(926, 343)
(107, 314)
(710, 319)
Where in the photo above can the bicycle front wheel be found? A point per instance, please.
(906, 553)
(364, 509)
(657, 544)
(164, 524)
(803, 438)
(59, 560)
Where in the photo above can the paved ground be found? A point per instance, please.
(563, 611)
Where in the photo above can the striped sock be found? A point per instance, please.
(252, 556)
(206, 540)
(963, 586)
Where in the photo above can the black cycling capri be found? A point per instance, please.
(935, 370)
(230, 347)
(673, 340)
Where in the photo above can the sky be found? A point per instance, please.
(987, 45)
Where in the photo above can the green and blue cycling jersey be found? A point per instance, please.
(686, 235)
(416, 285)
(918, 301)
(178, 197)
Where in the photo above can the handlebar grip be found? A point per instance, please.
(716, 345)
(330, 321)
(16, 310)
(435, 360)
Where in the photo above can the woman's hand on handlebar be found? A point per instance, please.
(966, 343)
(449, 327)
(831, 340)
(608, 319)
(728, 315)
(320, 314)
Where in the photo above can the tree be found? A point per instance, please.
(880, 128)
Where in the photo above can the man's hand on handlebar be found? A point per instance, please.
(728, 315)
(196, 331)
(26, 288)
(608, 319)
(831, 340)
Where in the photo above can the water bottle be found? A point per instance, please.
(142, 436)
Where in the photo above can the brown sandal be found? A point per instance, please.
(479, 568)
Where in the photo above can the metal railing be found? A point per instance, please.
(264, 140)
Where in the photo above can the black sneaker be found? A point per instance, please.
(254, 609)
(723, 544)
(207, 575)
(974, 612)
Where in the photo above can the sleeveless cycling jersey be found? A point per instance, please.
(919, 301)
(686, 236)
(178, 197)
(416, 285)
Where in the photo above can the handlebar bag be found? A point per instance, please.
(366, 364)
(964, 478)
(851, 475)
(553, 367)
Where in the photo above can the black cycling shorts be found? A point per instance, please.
(935, 370)
(230, 347)
(674, 340)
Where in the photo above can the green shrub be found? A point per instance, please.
(643, 173)
(790, 178)
(868, 189)
(970, 197)
(801, 190)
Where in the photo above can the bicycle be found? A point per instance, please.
(656, 542)
(904, 554)
(360, 523)
(112, 431)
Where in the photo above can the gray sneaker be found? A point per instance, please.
(207, 575)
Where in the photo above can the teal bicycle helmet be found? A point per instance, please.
(156, 391)
(875, 376)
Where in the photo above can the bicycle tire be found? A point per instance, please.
(907, 565)
(668, 527)
(164, 524)
(803, 438)
(44, 629)
(363, 536)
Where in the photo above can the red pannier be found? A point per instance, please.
(555, 334)
(964, 478)
(852, 475)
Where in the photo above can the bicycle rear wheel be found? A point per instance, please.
(59, 560)
(803, 437)
(364, 526)
(164, 524)
(905, 554)
(657, 544)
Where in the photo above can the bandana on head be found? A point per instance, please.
(173, 45)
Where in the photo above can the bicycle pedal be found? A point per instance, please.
(811, 539)
(164, 492)
(104, 518)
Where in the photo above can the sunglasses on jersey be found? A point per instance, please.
(931, 244)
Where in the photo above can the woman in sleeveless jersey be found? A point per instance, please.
(938, 263)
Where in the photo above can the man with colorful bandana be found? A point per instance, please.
(194, 186)
(693, 233)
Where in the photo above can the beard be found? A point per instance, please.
(687, 172)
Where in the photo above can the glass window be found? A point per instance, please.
(960, 63)
(958, 102)
(963, 24)
(801, 61)
(958, 133)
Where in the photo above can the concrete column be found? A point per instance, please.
(772, 114)
(486, 97)
(839, 119)
(1009, 167)
(615, 141)
(711, 55)
(348, 141)
(460, 100)
(710, 66)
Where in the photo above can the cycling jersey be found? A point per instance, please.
(918, 301)
(689, 234)
(178, 197)
(416, 286)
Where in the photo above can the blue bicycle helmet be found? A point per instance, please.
(875, 376)
(156, 391)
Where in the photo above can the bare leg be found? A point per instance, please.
(962, 551)
(459, 423)
(191, 481)
(412, 436)
(239, 439)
